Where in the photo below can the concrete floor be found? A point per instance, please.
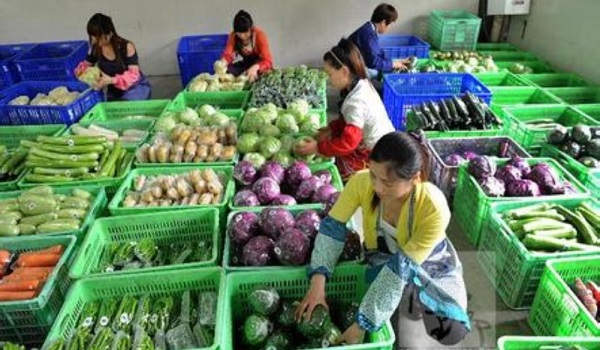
(490, 318)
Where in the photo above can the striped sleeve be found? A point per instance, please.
(329, 245)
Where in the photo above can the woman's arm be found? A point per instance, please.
(263, 51)
(229, 52)
(132, 75)
(342, 144)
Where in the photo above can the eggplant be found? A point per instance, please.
(432, 122)
(445, 113)
(593, 148)
(571, 148)
(589, 162)
(462, 111)
(423, 122)
(435, 112)
(452, 111)
(475, 111)
(595, 130)
(558, 135)
(581, 134)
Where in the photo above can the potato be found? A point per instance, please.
(183, 188)
(147, 196)
(184, 137)
(176, 154)
(157, 191)
(194, 198)
(173, 193)
(167, 182)
(162, 153)
(209, 175)
(205, 199)
(228, 153)
(142, 154)
(195, 176)
(201, 153)
(215, 187)
(190, 151)
(139, 183)
(152, 154)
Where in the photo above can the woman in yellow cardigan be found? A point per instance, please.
(414, 269)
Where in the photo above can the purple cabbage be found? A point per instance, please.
(521, 164)
(324, 175)
(242, 227)
(296, 173)
(284, 199)
(292, 247)
(258, 251)
(522, 188)
(273, 170)
(266, 189)
(307, 188)
(331, 202)
(508, 174)
(273, 221)
(323, 193)
(547, 178)
(492, 187)
(468, 155)
(308, 222)
(454, 160)
(246, 198)
(482, 166)
(569, 188)
(245, 173)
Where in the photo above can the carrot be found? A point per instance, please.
(57, 249)
(12, 296)
(20, 285)
(5, 256)
(20, 278)
(31, 272)
(41, 260)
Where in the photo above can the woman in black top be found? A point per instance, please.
(117, 60)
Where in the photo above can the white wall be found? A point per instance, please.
(300, 31)
(566, 33)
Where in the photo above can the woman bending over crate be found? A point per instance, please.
(247, 51)
(363, 119)
(117, 60)
(415, 275)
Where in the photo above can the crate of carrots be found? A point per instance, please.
(33, 284)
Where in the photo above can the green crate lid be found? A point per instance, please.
(577, 95)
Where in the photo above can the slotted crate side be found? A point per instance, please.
(556, 309)
(403, 46)
(347, 285)
(514, 271)
(591, 110)
(108, 111)
(155, 285)
(184, 226)
(504, 80)
(453, 30)
(516, 96)
(9, 74)
(552, 80)
(576, 95)
(197, 54)
(51, 61)
(236, 100)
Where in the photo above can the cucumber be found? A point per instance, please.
(544, 224)
(37, 220)
(72, 140)
(96, 148)
(566, 233)
(56, 163)
(59, 225)
(82, 194)
(37, 178)
(40, 190)
(35, 205)
(72, 172)
(14, 160)
(516, 213)
(26, 229)
(110, 164)
(59, 156)
(75, 203)
(550, 244)
(9, 230)
(71, 214)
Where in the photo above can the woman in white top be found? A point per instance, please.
(363, 119)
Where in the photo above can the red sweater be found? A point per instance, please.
(345, 139)
(259, 46)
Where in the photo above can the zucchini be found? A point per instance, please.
(59, 225)
(549, 214)
(544, 224)
(516, 213)
(550, 244)
(37, 220)
(585, 231)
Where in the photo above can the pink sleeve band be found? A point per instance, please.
(81, 67)
(127, 79)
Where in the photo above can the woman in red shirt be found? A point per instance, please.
(247, 51)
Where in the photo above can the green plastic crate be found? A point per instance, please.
(95, 208)
(453, 30)
(120, 125)
(577, 95)
(115, 206)
(535, 343)
(183, 226)
(156, 285)
(347, 285)
(471, 205)
(504, 80)
(530, 137)
(580, 171)
(11, 136)
(509, 55)
(556, 309)
(28, 321)
(105, 111)
(592, 111)
(336, 181)
(551, 80)
(538, 67)
(514, 271)
(517, 96)
(497, 47)
(220, 100)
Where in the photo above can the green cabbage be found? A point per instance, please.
(248, 143)
(256, 159)
(253, 122)
(206, 111)
(269, 146)
(90, 75)
(299, 109)
(311, 124)
(165, 123)
(283, 158)
(220, 67)
(270, 130)
(287, 143)
(218, 119)
(287, 124)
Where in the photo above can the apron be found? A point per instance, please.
(354, 162)
(437, 286)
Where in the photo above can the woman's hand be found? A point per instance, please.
(353, 335)
(252, 73)
(323, 134)
(401, 64)
(306, 147)
(103, 81)
(314, 297)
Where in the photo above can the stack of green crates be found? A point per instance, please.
(537, 343)
(453, 30)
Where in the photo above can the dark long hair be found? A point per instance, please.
(345, 53)
(242, 22)
(405, 154)
(100, 25)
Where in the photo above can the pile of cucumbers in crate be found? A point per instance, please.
(41, 211)
(75, 157)
(171, 322)
(12, 163)
(468, 112)
(549, 227)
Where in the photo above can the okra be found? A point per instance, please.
(142, 340)
(108, 308)
(161, 314)
(122, 341)
(89, 315)
(125, 254)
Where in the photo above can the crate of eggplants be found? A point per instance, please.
(581, 142)
(468, 112)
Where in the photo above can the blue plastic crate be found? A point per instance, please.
(30, 115)
(54, 61)
(403, 46)
(9, 74)
(402, 91)
(197, 54)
